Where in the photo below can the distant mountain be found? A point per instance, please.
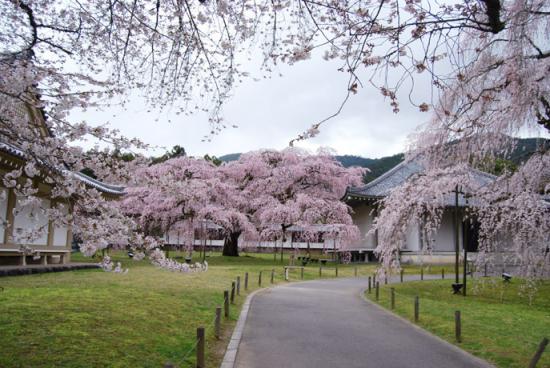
(377, 166)
(525, 147)
(230, 157)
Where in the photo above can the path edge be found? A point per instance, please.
(230, 355)
(425, 332)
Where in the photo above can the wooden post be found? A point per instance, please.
(232, 300)
(416, 308)
(369, 284)
(336, 269)
(374, 279)
(302, 273)
(286, 273)
(217, 323)
(238, 285)
(401, 274)
(443, 274)
(539, 352)
(422, 273)
(226, 303)
(392, 294)
(377, 290)
(458, 327)
(200, 347)
(272, 275)
(246, 280)
(320, 271)
(385, 279)
(260, 279)
(355, 271)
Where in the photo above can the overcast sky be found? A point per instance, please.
(271, 112)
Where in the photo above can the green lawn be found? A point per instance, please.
(145, 318)
(499, 323)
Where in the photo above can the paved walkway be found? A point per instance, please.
(326, 323)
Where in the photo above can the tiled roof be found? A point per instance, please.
(102, 187)
(384, 184)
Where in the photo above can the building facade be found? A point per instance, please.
(365, 202)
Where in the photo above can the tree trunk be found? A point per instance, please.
(231, 245)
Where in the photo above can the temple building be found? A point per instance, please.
(52, 243)
(365, 201)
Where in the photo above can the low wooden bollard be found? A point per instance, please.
(232, 298)
(369, 284)
(302, 273)
(458, 327)
(422, 274)
(286, 274)
(246, 281)
(385, 279)
(355, 271)
(217, 323)
(260, 279)
(377, 290)
(272, 275)
(336, 269)
(392, 298)
(226, 303)
(401, 275)
(539, 352)
(320, 271)
(238, 285)
(416, 308)
(443, 274)
(200, 347)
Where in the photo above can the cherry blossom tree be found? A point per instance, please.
(499, 89)
(260, 195)
(487, 62)
(291, 187)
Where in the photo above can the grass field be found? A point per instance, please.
(145, 318)
(499, 322)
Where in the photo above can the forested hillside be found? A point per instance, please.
(377, 166)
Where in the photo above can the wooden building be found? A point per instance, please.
(53, 243)
(365, 203)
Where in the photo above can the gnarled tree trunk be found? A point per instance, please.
(231, 245)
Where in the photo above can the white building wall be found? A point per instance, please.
(444, 238)
(363, 218)
(60, 233)
(29, 218)
(412, 240)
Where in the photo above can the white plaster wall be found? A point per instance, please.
(60, 233)
(444, 238)
(3, 211)
(362, 217)
(23, 221)
(412, 240)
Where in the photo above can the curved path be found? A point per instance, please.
(326, 323)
